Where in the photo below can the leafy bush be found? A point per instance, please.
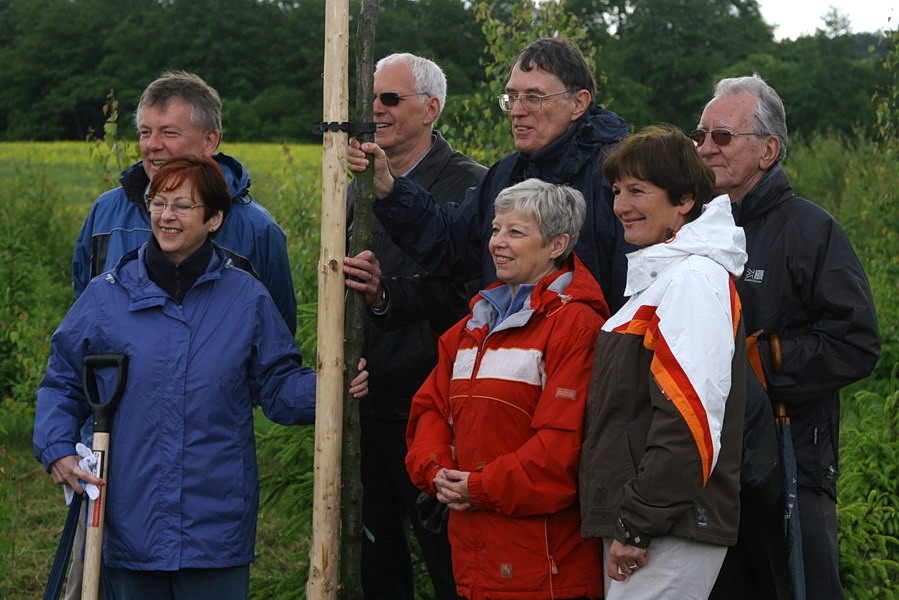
(869, 495)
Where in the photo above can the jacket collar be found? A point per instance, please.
(431, 164)
(713, 235)
(134, 180)
(565, 157)
(572, 283)
(773, 189)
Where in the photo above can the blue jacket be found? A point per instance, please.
(183, 482)
(451, 239)
(118, 223)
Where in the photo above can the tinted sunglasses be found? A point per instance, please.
(392, 98)
(721, 137)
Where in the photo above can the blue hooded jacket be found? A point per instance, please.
(118, 223)
(182, 479)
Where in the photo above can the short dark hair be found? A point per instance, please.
(562, 58)
(666, 157)
(203, 99)
(206, 177)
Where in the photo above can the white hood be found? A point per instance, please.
(713, 235)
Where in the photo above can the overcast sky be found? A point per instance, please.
(801, 17)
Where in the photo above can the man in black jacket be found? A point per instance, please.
(560, 136)
(400, 344)
(804, 283)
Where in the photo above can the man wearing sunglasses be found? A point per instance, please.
(803, 283)
(410, 92)
(559, 136)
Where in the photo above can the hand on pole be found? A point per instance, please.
(357, 161)
(363, 274)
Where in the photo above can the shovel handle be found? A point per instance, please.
(103, 411)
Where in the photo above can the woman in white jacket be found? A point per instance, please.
(660, 464)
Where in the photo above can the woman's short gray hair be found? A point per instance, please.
(429, 77)
(770, 116)
(556, 209)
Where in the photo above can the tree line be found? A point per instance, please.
(656, 60)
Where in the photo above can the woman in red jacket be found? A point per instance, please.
(495, 431)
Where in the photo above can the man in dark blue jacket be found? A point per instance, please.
(180, 114)
(804, 283)
(560, 137)
(400, 344)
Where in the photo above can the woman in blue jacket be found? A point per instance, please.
(181, 511)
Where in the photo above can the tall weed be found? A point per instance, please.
(36, 237)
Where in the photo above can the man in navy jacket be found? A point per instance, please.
(804, 283)
(560, 137)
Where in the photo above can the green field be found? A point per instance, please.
(46, 190)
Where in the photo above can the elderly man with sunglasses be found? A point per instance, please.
(804, 284)
(560, 137)
(410, 93)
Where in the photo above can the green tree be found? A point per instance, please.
(671, 50)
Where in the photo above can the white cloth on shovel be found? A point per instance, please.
(87, 463)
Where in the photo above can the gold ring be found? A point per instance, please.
(633, 566)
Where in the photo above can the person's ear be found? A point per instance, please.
(215, 221)
(581, 102)
(433, 110)
(558, 245)
(211, 141)
(772, 149)
(686, 205)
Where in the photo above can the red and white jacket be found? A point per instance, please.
(664, 423)
(506, 402)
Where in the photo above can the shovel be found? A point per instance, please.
(103, 413)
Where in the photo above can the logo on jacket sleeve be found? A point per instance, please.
(754, 275)
(565, 393)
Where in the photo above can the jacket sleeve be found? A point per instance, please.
(541, 476)
(61, 407)
(445, 240)
(280, 383)
(832, 339)
(81, 258)
(424, 298)
(429, 435)
(274, 272)
(692, 339)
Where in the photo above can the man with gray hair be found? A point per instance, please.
(179, 114)
(410, 308)
(804, 286)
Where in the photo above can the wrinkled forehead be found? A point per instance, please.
(734, 112)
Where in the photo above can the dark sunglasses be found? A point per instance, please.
(392, 98)
(721, 137)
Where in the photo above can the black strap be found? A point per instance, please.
(64, 551)
(353, 128)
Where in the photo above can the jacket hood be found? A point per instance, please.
(563, 159)
(713, 235)
(134, 179)
(571, 284)
(773, 189)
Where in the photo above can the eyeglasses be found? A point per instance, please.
(181, 209)
(721, 137)
(528, 101)
(392, 98)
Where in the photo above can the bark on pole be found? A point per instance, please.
(364, 198)
(322, 583)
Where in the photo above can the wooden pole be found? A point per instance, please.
(322, 583)
(364, 198)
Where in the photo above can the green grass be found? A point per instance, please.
(46, 190)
